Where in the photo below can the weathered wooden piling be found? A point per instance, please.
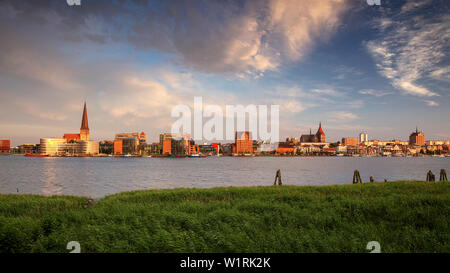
(356, 177)
(278, 177)
(430, 176)
(443, 175)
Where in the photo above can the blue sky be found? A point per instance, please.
(354, 67)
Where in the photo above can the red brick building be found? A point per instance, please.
(417, 138)
(243, 143)
(5, 145)
(350, 141)
(118, 147)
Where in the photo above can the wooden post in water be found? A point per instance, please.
(278, 177)
(356, 177)
(430, 176)
(443, 175)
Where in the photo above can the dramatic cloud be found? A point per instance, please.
(240, 38)
(411, 49)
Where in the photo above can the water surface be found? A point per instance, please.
(97, 177)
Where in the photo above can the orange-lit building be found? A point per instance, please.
(286, 148)
(216, 146)
(243, 143)
(5, 145)
(319, 137)
(350, 141)
(72, 137)
(417, 138)
(71, 144)
(84, 130)
(118, 147)
(167, 147)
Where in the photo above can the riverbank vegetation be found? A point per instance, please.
(402, 216)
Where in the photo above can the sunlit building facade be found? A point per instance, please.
(5, 145)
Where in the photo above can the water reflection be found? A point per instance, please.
(49, 177)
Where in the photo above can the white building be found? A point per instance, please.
(59, 146)
(363, 137)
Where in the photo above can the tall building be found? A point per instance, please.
(243, 143)
(319, 137)
(142, 138)
(417, 138)
(5, 145)
(350, 141)
(84, 130)
(71, 144)
(363, 137)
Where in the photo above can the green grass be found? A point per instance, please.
(401, 216)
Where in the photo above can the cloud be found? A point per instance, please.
(414, 5)
(327, 92)
(431, 103)
(343, 72)
(373, 92)
(342, 116)
(410, 50)
(238, 38)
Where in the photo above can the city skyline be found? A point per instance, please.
(345, 65)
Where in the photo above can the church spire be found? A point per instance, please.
(84, 130)
(84, 120)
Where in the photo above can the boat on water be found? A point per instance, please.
(34, 155)
(193, 155)
(340, 155)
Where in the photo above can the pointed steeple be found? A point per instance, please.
(84, 120)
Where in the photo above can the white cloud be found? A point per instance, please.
(431, 103)
(373, 92)
(412, 50)
(342, 116)
(327, 92)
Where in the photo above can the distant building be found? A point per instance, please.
(417, 138)
(130, 143)
(130, 146)
(142, 138)
(5, 145)
(71, 144)
(118, 147)
(363, 137)
(319, 137)
(286, 148)
(437, 142)
(243, 143)
(121, 136)
(349, 141)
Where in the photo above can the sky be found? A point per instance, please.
(383, 69)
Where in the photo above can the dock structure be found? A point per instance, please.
(430, 176)
(278, 178)
(443, 176)
(356, 177)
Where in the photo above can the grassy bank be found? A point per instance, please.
(401, 216)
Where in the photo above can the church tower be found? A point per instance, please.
(84, 130)
(320, 135)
